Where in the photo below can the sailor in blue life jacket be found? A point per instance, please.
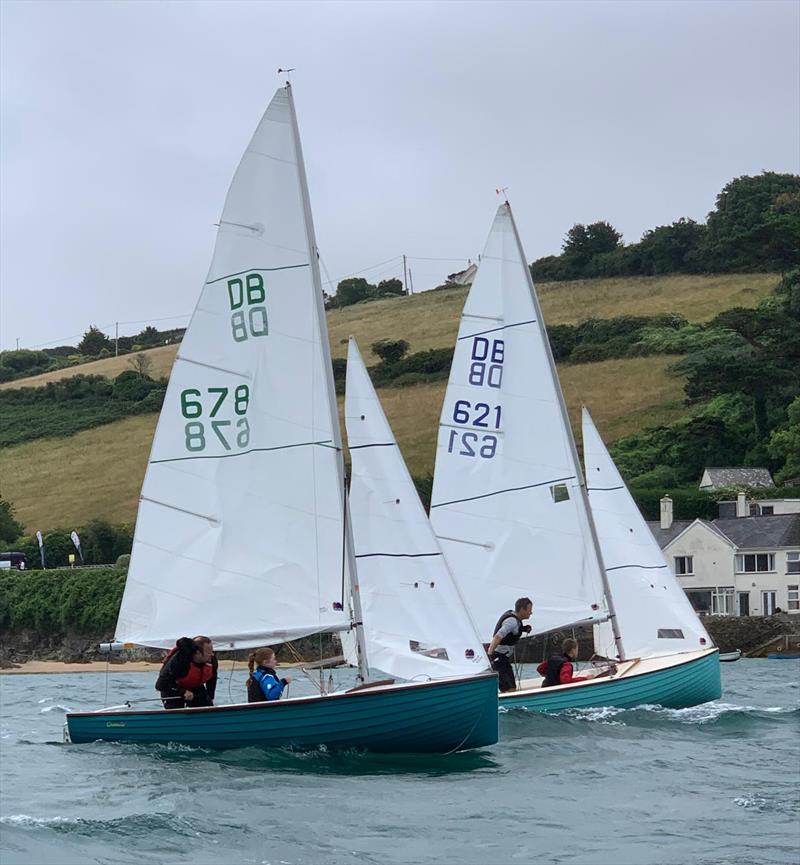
(264, 684)
(507, 633)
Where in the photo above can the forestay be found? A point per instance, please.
(507, 506)
(415, 623)
(240, 528)
(653, 612)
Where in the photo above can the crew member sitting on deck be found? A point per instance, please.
(507, 633)
(264, 683)
(557, 670)
(188, 677)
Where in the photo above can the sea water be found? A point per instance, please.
(715, 784)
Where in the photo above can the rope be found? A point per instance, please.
(230, 680)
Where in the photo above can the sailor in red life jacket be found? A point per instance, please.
(557, 670)
(188, 677)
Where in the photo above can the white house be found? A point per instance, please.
(740, 565)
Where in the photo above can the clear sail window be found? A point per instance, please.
(670, 634)
(559, 492)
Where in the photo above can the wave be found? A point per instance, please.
(132, 824)
(56, 707)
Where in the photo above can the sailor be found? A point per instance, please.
(557, 670)
(264, 684)
(188, 676)
(507, 633)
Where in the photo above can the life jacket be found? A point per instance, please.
(197, 676)
(509, 639)
(267, 679)
(552, 675)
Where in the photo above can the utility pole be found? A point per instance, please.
(405, 274)
(410, 282)
(17, 343)
(116, 339)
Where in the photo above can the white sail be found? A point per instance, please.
(653, 612)
(507, 506)
(415, 623)
(240, 534)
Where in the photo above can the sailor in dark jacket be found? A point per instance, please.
(264, 684)
(188, 677)
(507, 633)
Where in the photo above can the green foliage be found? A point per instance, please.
(755, 224)
(688, 503)
(60, 601)
(10, 529)
(424, 485)
(62, 408)
(390, 350)
(123, 562)
(93, 342)
(103, 543)
(784, 444)
(430, 365)
(356, 289)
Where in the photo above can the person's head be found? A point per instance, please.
(570, 648)
(523, 607)
(264, 657)
(203, 649)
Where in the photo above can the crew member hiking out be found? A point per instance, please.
(507, 633)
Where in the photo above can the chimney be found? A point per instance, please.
(666, 512)
(742, 510)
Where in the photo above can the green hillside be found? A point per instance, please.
(97, 473)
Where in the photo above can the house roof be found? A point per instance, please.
(666, 536)
(780, 530)
(741, 476)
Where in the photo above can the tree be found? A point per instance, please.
(353, 290)
(10, 529)
(672, 248)
(389, 288)
(93, 342)
(584, 242)
(755, 224)
(149, 337)
(784, 444)
(141, 364)
(390, 351)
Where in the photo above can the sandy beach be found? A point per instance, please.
(49, 667)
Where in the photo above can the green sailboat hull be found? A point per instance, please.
(429, 717)
(676, 686)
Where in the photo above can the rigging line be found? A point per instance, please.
(257, 270)
(500, 492)
(427, 258)
(495, 329)
(397, 555)
(326, 443)
(375, 445)
(363, 269)
(164, 318)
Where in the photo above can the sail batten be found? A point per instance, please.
(240, 529)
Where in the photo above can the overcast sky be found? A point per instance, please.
(122, 124)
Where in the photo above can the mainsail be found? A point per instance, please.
(240, 528)
(653, 612)
(415, 622)
(507, 505)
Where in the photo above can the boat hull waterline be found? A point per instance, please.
(427, 717)
(674, 682)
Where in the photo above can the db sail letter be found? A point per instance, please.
(247, 297)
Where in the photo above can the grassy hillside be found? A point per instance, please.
(430, 319)
(98, 473)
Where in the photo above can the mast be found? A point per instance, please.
(313, 257)
(612, 614)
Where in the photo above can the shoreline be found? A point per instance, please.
(30, 668)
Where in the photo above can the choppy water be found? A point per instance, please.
(713, 785)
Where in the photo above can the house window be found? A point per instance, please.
(767, 510)
(755, 563)
(700, 601)
(768, 603)
(684, 565)
(722, 601)
(793, 598)
(793, 563)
